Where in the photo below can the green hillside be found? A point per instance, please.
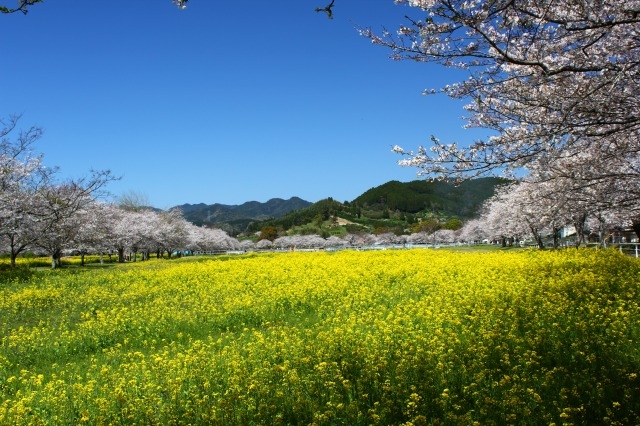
(392, 207)
(443, 198)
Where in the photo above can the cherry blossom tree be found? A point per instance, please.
(18, 223)
(93, 231)
(247, 245)
(220, 240)
(172, 234)
(58, 235)
(21, 175)
(354, 240)
(293, 242)
(264, 245)
(201, 238)
(517, 207)
(36, 209)
(556, 83)
(335, 242)
(389, 238)
(418, 238)
(144, 226)
(546, 207)
(444, 236)
(119, 236)
(311, 242)
(57, 209)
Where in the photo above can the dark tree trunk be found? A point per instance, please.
(55, 259)
(556, 235)
(537, 236)
(579, 224)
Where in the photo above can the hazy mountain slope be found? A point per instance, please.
(214, 214)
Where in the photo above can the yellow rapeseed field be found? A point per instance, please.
(411, 337)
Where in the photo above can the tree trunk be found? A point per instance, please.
(579, 224)
(55, 259)
(16, 249)
(121, 255)
(537, 236)
(81, 259)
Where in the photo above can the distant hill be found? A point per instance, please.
(444, 198)
(393, 204)
(391, 207)
(238, 215)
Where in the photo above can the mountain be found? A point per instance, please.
(440, 197)
(238, 215)
(391, 205)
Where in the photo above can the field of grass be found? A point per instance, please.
(410, 337)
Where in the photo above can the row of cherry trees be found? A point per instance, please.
(106, 228)
(534, 209)
(41, 213)
(303, 242)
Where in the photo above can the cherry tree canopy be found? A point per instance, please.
(557, 81)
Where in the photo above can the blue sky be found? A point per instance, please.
(223, 102)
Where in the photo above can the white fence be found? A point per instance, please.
(630, 249)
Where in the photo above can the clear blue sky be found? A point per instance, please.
(223, 102)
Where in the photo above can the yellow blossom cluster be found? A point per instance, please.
(411, 337)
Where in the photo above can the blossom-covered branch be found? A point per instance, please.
(551, 80)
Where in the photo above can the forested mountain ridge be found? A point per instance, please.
(394, 201)
(440, 197)
(220, 214)
(395, 207)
